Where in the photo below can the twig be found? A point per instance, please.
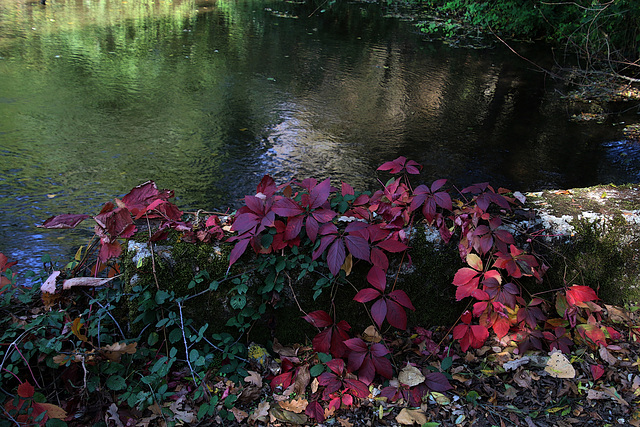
(110, 315)
(10, 417)
(186, 352)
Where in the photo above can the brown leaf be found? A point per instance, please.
(371, 334)
(239, 414)
(348, 264)
(411, 416)
(75, 329)
(254, 378)
(112, 415)
(260, 414)
(115, 351)
(302, 380)
(296, 405)
(411, 376)
(606, 356)
(522, 378)
(618, 315)
(283, 351)
(345, 422)
(288, 416)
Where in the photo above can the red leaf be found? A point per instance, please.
(379, 259)
(287, 208)
(401, 298)
(294, 225)
(238, 250)
(336, 366)
(26, 390)
(464, 276)
(377, 278)
(282, 380)
(319, 319)
(396, 316)
(323, 215)
(596, 371)
(109, 250)
(267, 186)
(578, 294)
(357, 388)
(366, 295)
(392, 245)
(63, 221)
(347, 189)
(314, 410)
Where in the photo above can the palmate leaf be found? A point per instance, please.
(368, 359)
(315, 410)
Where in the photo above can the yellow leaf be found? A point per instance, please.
(75, 329)
(54, 411)
(348, 264)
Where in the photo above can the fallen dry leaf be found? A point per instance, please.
(411, 376)
(345, 422)
(371, 334)
(239, 414)
(260, 414)
(606, 356)
(254, 378)
(558, 366)
(49, 286)
(411, 416)
(85, 281)
(54, 411)
(295, 405)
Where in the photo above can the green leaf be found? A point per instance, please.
(316, 370)
(238, 301)
(54, 422)
(175, 335)
(162, 296)
(153, 339)
(213, 285)
(116, 383)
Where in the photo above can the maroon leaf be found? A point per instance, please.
(287, 208)
(319, 194)
(366, 295)
(336, 256)
(319, 319)
(392, 245)
(379, 311)
(401, 298)
(63, 221)
(437, 381)
(315, 411)
(347, 189)
(396, 316)
(377, 278)
(379, 259)
(358, 247)
(238, 250)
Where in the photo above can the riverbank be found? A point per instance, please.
(138, 344)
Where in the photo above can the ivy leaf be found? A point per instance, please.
(116, 383)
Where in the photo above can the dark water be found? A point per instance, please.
(204, 98)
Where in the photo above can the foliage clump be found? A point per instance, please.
(296, 230)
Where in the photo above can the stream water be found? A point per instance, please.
(98, 96)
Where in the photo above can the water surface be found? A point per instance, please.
(97, 96)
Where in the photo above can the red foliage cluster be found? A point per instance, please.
(285, 216)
